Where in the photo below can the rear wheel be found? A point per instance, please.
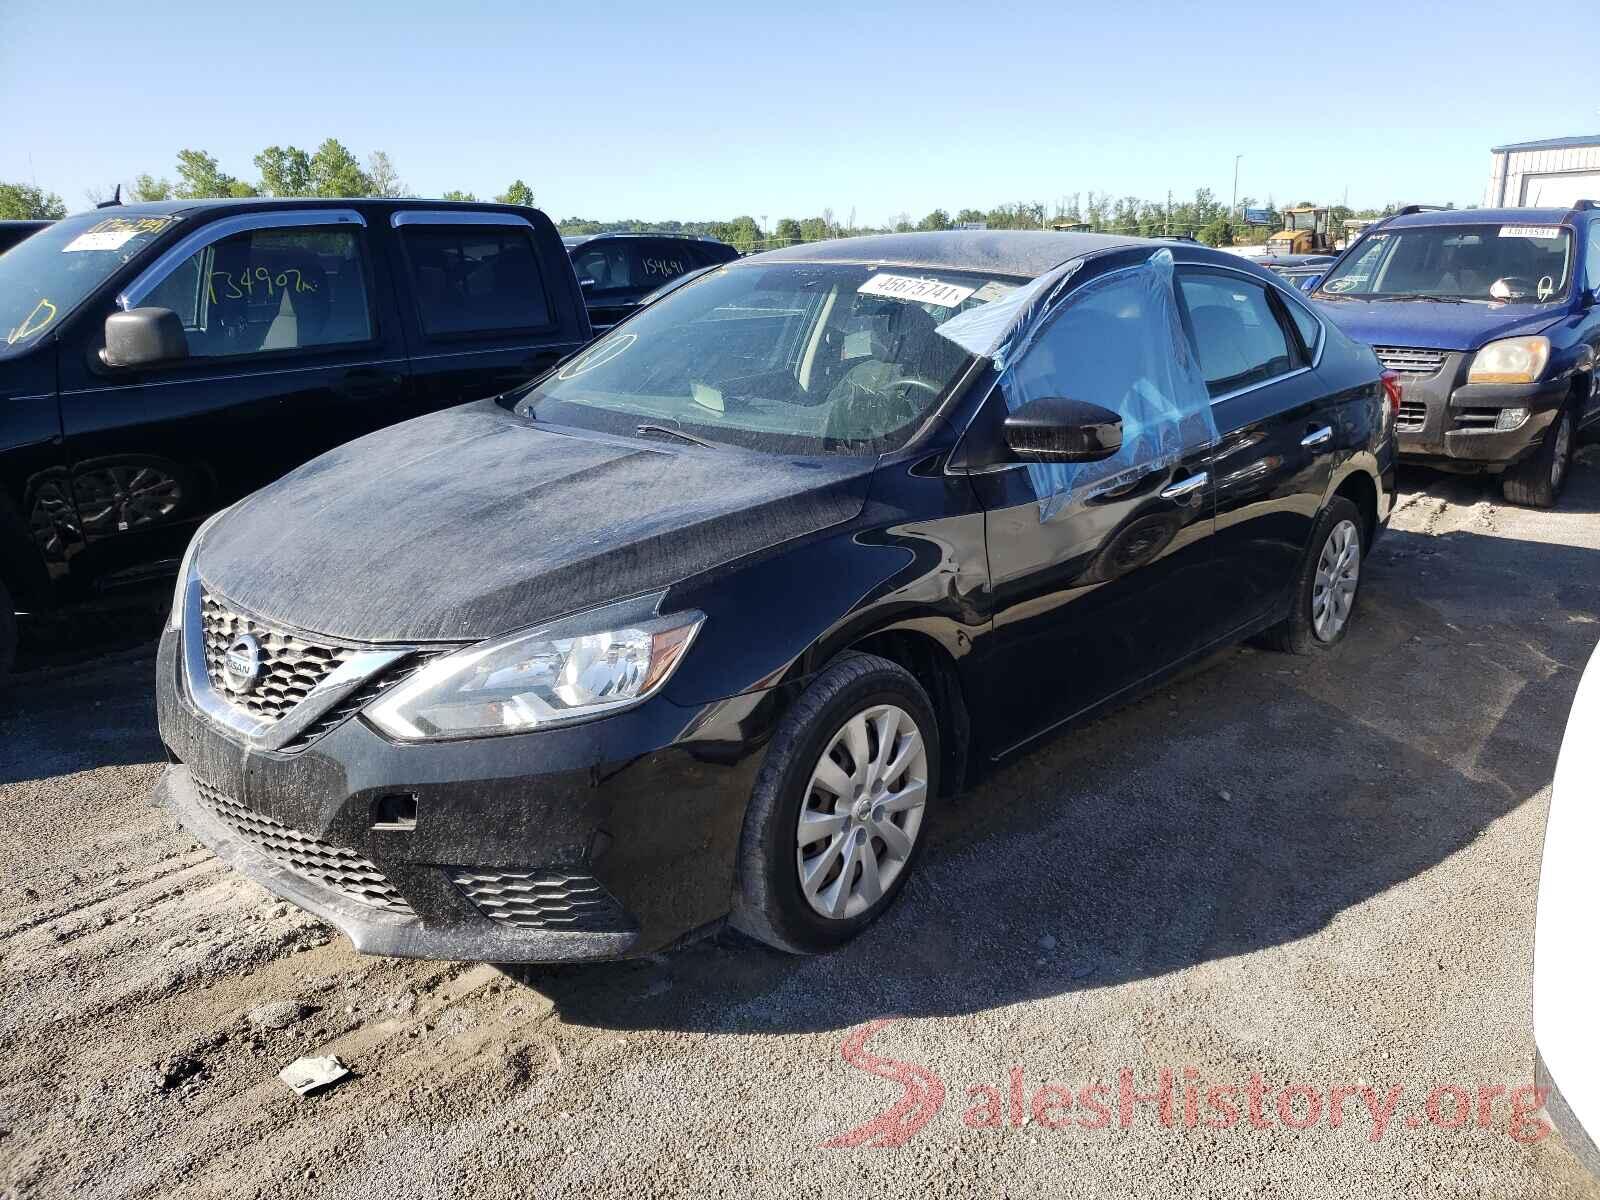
(1537, 481)
(835, 820)
(1329, 580)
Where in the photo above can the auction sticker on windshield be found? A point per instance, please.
(1530, 231)
(922, 291)
(114, 232)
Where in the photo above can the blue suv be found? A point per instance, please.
(1491, 318)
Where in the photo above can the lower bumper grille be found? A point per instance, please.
(546, 899)
(345, 871)
(1412, 417)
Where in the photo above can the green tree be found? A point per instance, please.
(788, 231)
(517, 193)
(147, 187)
(335, 172)
(199, 175)
(454, 195)
(285, 171)
(814, 229)
(25, 202)
(383, 179)
(741, 232)
(968, 215)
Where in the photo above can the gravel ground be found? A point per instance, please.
(1317, 872)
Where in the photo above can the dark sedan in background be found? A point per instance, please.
(617, 271)
(715, 615)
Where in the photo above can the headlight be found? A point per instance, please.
(175, 618)
(578, 668)
(1513, 360)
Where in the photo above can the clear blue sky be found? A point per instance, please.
(657, 110)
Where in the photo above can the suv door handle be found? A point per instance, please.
(368, 385)
(1186, 487)
(1317, 437)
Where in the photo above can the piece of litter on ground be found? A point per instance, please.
(1047, 942)
(307, 1075)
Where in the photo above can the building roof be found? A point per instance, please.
(1568, 143)
(1018, 252)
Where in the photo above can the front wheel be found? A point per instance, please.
(1328, 583)
(836, 818)
(1537, 481)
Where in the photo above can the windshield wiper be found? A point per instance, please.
(669, 431)
(1429, 299)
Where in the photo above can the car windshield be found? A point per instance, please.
(795, 358)
(46, 277)
(1485, 263)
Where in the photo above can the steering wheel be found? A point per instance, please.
(884, 407)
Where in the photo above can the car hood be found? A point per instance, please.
(473, 521)
(1435, 326)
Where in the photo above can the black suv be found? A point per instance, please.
(618, 270)
(1492, 319)
(159, 361)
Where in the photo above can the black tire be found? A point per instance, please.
(1298, 633)
(1538, 480)
(8, 632)
(768, 902)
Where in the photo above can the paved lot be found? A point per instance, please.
(1321, 873)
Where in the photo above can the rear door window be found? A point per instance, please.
(1238, 337)
(660, 261)
(607, 265)
(283, 288)
(476, 279)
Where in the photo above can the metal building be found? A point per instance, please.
(1548, 174)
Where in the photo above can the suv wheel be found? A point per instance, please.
(1330, 579)
(1537, 481)
(835, 821)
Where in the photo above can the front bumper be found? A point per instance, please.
(592, 841)
(1453, 426)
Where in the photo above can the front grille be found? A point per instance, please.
(290, 665)
(1413, 416)
(1408, 360)
(360, 698)
(345, 871)
(547, 899)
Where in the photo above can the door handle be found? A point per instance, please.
(1317, 437)
(1186, 487)
(367, 385)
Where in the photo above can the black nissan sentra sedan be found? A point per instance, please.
(713, 617)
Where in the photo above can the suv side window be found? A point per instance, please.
(476, 278)
(1592, 261)
(1238, 336)
(291, 288)
(662, 261)
(606, 262)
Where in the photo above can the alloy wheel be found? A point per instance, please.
(1333, 592)
(862, 812)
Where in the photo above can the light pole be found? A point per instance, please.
(1236, 159)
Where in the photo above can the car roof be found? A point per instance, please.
(580, 239)
(1027, 253)
(1479, 216)
(166, 208)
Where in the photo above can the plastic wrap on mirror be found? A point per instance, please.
(1117, 342)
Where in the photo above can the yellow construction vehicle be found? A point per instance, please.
(1307, 230)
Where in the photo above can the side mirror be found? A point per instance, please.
(1052, 429)
(144, 337)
